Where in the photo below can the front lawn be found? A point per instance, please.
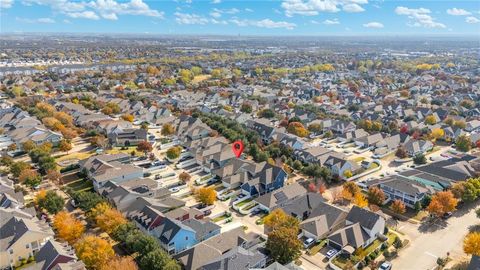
(80, 185)
(242, 203)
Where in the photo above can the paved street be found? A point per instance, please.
(425, 247)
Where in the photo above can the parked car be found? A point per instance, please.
(308, 242)
(386, 266)
(447, 215)
(331, 253)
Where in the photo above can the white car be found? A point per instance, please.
(308, 242)
(386, 266)
(331, 253)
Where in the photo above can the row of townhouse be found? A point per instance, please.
(25, 237)
(18, 127)
(412, 186)
(344, 229)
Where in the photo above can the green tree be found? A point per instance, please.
(283, 244)
(463, 143)
(141, 243)
(158, 260)
(246, 108)
(123, 231)
(174, 152)
(168, 129)
(419, 159)
(266, 113)
(52, 202)
(87, 200)
(18, 167)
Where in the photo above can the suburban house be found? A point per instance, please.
(269, 178)
(127, 137)
(55, 255)
(280, 197)
(211, 249)
(362, 227)
(21, 238)
(176, 236)
(253, 178)
(104, 168)
(398, 187)
(339, 166)
(417, 147)
(352, 135)
(263, 127)
(369, 140)
(323, 220)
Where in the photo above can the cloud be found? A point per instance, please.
(107, 9)
(83, 15)
(472, 20)
(184, 18)
(375, 25)
(314, 7)
(331, 22)
(353, 8)
(265, 23)
(419, 17)
(4, 4)
(39, 20)
(249, 10)
(216, 1)
(457, 12)
(215, 14)
(67, 21)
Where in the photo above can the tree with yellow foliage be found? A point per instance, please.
(67, 227)
(360, 200)
(206, 195)
(107, 218)
(471, 244)
(94, 251)
(437, 133)
(128, 117)
(430, 120)
(121, 263)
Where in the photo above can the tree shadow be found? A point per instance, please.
(432, 225)
(460, 266)
(465, 208)
(474, 228)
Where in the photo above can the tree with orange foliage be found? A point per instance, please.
(350, 189)
(441, 203)
(376, 196)
(398, 207)
(67, 227)
(121, 263)
(128, 117)
(94, 251)
(107, 218)
(322, 188)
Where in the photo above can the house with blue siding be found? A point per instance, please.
(174, 236)
(268, 179)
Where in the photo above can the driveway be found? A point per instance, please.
(428, 242)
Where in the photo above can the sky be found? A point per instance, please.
(248, 17)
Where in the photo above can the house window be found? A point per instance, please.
(10, 251)
(27, 246)
(186, 237)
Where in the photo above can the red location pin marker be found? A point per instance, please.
(237, 148)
